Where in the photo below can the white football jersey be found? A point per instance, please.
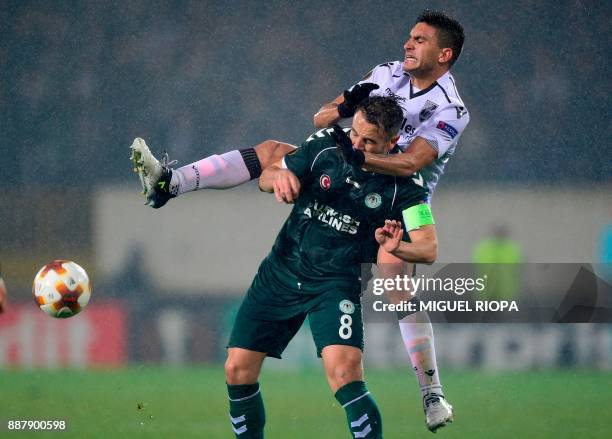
(436, 114)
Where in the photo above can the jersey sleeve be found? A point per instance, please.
(379, 75)
(445, 127)
(300, 160)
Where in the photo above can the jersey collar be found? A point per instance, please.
(414, 94)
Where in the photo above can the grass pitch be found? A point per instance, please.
(192, 403)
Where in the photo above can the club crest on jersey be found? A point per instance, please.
(373, 200)
(427, 110)
(325, 182)
(347, 307)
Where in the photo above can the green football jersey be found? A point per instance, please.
(330, 231)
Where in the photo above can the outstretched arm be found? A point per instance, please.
(422, 248)
(328, 114)
(284, 183)
(435, 137)
(416, 157)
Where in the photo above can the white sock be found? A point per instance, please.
(214, 172)
(417, 334)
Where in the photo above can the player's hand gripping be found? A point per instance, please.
(286, 186)
(353, 96)
(350, 154)
(390, 235)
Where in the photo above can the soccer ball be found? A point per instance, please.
(61, 288)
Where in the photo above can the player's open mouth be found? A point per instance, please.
(409, 59)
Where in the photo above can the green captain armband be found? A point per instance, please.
(417, 216)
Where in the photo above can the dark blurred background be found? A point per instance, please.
(81, 79)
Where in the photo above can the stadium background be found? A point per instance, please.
(79, 80)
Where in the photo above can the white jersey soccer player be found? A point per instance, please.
(436, 114)
(435, 118)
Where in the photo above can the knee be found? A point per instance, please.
(237, 372)
(271, 151)
(344, 373)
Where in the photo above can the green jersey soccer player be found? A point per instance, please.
(314, 267)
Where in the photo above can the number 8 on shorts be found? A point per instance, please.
(345, 331)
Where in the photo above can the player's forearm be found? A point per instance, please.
(266, 179)
(327, 116)
(425, 252)
(400, 165)
(391, 270)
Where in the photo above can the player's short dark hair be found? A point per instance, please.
(384, 112)
(450, 31)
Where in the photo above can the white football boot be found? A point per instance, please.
(438, 412)
(154, 175)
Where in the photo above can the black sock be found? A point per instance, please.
(361, 411)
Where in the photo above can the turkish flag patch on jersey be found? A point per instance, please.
(448, 129)
(325, 182)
